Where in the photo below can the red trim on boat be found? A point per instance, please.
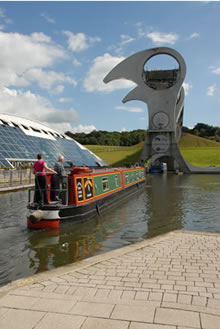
(44, 224)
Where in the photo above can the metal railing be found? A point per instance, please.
(31, 195)
(44, 193)
(16, 177)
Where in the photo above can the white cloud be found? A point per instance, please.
(101, 66)
(65, 100)
(5, 20)
(211, 90)
(83, 129)
(187, 87)
(79, 41)
(126, 39)
(215, 70)
(48, 18)
(40, 37)
(35, 107)
(47, 79)
(193, 36)
(2, 12)
(21, 53)
(161, 38)
(140, 31)
(58, 89)
(76, 62)
(129, 109)
(123, 129)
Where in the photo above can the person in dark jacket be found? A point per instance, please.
(57, 178)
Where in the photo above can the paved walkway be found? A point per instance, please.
(13, 188)
(168, 282)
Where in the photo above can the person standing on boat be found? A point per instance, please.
(57, 179)
(39, 170)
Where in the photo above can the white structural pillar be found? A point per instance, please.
(163, 93)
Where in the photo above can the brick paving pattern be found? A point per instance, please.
(168, 282)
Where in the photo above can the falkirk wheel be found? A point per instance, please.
(163, 92)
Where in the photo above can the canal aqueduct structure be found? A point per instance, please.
(163, 92)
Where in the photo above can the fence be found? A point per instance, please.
(16, 177)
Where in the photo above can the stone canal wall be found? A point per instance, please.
(10, 178)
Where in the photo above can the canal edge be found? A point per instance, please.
(82, 264)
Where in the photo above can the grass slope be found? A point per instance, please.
(117, 155)
(198, 151)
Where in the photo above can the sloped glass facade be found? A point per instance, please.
(15, 144)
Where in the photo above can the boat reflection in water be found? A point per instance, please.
(73, 242)
(167, 202)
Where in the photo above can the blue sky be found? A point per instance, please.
(54, 56)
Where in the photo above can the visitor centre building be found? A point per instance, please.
(22, 139)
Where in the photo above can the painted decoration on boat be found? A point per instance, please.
(79, 189)
(88, 186)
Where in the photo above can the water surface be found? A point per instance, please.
(166, 203)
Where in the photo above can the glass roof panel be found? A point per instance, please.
(14, 143)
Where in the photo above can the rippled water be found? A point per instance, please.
(167, 202)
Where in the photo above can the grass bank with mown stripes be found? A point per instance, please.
(198, 151)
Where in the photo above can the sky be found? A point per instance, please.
(54, 56)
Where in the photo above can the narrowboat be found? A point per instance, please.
(85, 192)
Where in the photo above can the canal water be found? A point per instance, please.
(167, 202)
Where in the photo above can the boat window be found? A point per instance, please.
(137, 174)
(105, 183)
(116, 181)
(126, 179)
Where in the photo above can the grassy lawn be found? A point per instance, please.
(202, 156)
(117, 155)
(198, 151)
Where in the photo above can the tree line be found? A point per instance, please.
(129, 138)
(102, 137)
(205, 131)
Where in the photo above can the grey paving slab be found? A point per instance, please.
(22, 302)
(3, 310)
(177, 317)
(138, 325)
(96, 323)
(53, 305)
(92, 309)
(210, 321)
(20, 319)
(60, 321)
(134, 313)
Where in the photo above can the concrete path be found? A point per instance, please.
(13, 188)
(168, 282)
